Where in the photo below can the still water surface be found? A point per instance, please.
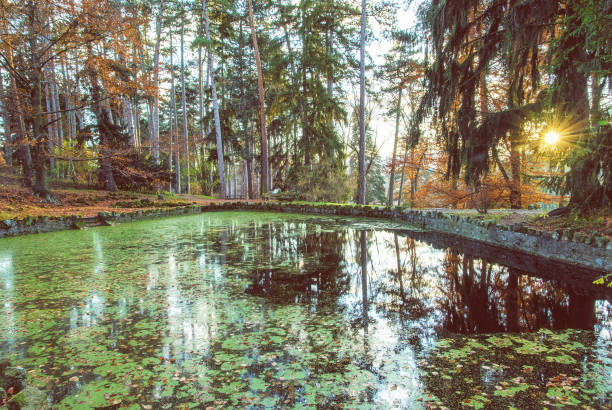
(267, 310)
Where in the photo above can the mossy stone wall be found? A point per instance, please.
(593, 252)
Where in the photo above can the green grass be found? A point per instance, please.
(307, 203)
(207, 197)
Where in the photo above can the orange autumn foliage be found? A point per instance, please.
(427, 186)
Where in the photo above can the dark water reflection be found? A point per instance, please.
(264, 310)
(412, 280)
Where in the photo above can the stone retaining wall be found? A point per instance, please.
(593, 252)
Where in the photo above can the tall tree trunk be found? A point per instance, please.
(128, 120)
(55, 132)
(136, 120)
(104, 128)
(40, 156)
(211, 69)
(236, 182)
(184, 107)
(170, 134)
(329, 48)
(78, 113)
(124, 109)
(514, 182)
(414, 184)
(395, 141)
(40, 140)
(170, 150)
(174, 122)
(362, 91)
(286, 166)
(207, 129)
(243, 186)
(6, 118)
(228, 178)
(23, 145)
(50, 125)
(247, 154)
(69, 105)
(296, 86)
(304, 96)
(143, 68)
(201, 100)
(305, 133)
(582, 182)
(403, 176)
(249, 166)
(155, 108)
(59, 125)
(262, 108)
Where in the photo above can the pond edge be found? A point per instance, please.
(593, 252)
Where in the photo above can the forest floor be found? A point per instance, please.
(19, 202)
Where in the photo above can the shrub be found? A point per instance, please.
(323, 182)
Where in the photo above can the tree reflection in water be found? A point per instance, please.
(481, 297)
(460, 293)
(390, 283)
(397, 290)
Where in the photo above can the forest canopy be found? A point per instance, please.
(471, 103)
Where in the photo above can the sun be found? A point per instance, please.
(552, 137)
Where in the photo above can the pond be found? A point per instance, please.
(264, 310)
